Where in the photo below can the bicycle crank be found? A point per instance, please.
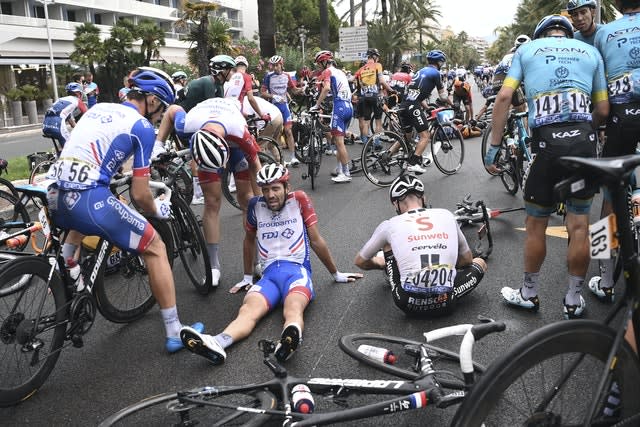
(82, 314)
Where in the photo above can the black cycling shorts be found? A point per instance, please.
(370, 108)
(413, 116)
(418, 304)
(623, 130)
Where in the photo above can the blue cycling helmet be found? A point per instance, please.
(487, 92)
(149, 80)
(73, 87)
(553, 21)
(576, 4)
(436, 56)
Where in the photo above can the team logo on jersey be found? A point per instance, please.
(71, 198)
(562, 72)
(634, 53)
(287, 233)
(106, 119)
(119, 155)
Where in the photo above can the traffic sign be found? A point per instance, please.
(353, 43)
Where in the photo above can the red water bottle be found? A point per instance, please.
(378, 353)
(302, 399)
(16, 242)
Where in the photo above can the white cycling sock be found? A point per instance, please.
(224, 340)
(573, 293)
(172, 323)
(529, 285)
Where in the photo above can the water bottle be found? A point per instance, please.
(74, 272)
(16, 242)
(302, 399)
(378, 353)
(635, 206)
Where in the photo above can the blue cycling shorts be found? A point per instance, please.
(280, 279)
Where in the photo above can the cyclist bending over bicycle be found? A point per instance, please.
(412, 113)
(426, 257)
(101, 142)
(64, 112)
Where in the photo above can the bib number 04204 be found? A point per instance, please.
(602, 236)
(436, 276)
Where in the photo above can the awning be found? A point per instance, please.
(13, 60)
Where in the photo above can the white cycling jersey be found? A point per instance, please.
(265, 106)
(425, 244)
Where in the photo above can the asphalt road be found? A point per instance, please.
(121, 364)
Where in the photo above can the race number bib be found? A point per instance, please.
(550, 104)
(602, 236)
(621, 87)
(73, 170)
(432, 276)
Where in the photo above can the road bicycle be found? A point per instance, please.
(42, 306)
(386, 155)
(269, 401)
(176, 168)
(266, 143)
(309, 148)
(40, 162)
(574, 372)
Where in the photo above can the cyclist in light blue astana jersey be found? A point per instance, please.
(565, 81)
(583, 15)
(618, 41)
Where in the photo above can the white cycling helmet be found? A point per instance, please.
(403, 185)
(209, 150)
(520, 40)
(272, 173)
(241, 60)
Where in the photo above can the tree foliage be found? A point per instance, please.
(87, 45)
(195, 19)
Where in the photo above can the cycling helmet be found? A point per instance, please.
(576, 4)
(403, 185)
(221, 62)
(241, 60)
(520, 40)
(323, 55)
(406, 67)
(373, 52)
(553, 21)
(272, 173)
(149, 80)
(276, 59)
(209, 150)
(73, 87)
(436, 56)
(487, 92)
(179, 75)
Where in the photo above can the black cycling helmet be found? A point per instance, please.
(406, 67)
(553, 22)
(404, 185)
(576, 4)
(373, 52)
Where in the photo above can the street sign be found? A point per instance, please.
(353, 43)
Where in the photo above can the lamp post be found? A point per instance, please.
(302, 32)
(53, 67)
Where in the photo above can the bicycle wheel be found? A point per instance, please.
(183, 182)
(486, 141)
(12, 210)
(384, 157)
(447, 149)
(509, 176)
(315, 158)
(271, 147)
(445, 361)
(265, 159)
(39, 171)
(33, 322)
(167, 409)
(191, 246)
(513, 389)
(125, 295)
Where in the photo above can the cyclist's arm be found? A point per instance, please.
(254, 104)
(320, 247)
(365, 258)
(141, 194)
(326, 87)
(500, 112)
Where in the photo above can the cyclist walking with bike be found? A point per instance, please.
(82, 201)
(425, 255)
(412, 108)
(562, 84)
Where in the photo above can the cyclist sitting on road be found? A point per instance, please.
(426, 257)
(561, 125)
(215, 124)
(462, 95)
(412, 113)
(101, 142)
(275, 88)
(335, 83)
(64, 112)
(283, 224)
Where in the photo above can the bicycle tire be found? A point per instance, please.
(12, 210)
(271, 147)
(486, 141)
(509, 176)
(385, 123)
(125, 296)
(190, 244)
(39, 171)
(315, 158)
(22, 377)
(350, 343)
(524, 366)
(447, 149)
(163, 408)
(380, 166)
(10, 187)
(231, 198)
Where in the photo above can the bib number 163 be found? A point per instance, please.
(602, 236)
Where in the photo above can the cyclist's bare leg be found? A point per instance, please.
(160, 275)
(578, 250)
(294, 306)
(288, 135)
(341, 151)
(254, 307)
(244, 191)
(535, 243)
(364, 128)
(423, 141)
(210, 220)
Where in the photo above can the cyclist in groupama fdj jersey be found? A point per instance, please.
(565, 78)
(426, 256)
(63, 112)
(106, 136)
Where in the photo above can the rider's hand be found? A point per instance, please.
(266, 117)
(158, 149)
(163, 208)
(346, 277)
(243, 285)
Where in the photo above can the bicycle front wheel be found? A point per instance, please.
(486, 141)
(191, 245)
(447, 149)
(533, 384)
(12, 210)
(124, 294)
(384, 157)
(445, 361)
(271, 147)
(33, 322)
(169, 409)
(509, 176)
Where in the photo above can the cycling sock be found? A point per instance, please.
(68, 251)
(345, 169)
(573, 293)
(172, 323)
(224, 340)
(364, 138)
(606, 273)
(197, 190)
(529, 285)
(212, 248)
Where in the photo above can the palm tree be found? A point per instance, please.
(217, 40)
(152, 38)
(197, 13)
(324, 24)
(88, 49)
(266, 28)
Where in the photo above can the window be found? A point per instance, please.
(6, 8)
(38, 12)
(71, 16)
(98, 19)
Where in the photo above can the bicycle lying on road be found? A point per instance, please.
(272, 401)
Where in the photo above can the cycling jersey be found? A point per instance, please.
(587, 39)
(564, 76)
(265, 106)
(200, 89)
(341, 95)
(55, 118)
(399, 82)
(238, 86)
(367, 77)
(277, 84)
(421, 86)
